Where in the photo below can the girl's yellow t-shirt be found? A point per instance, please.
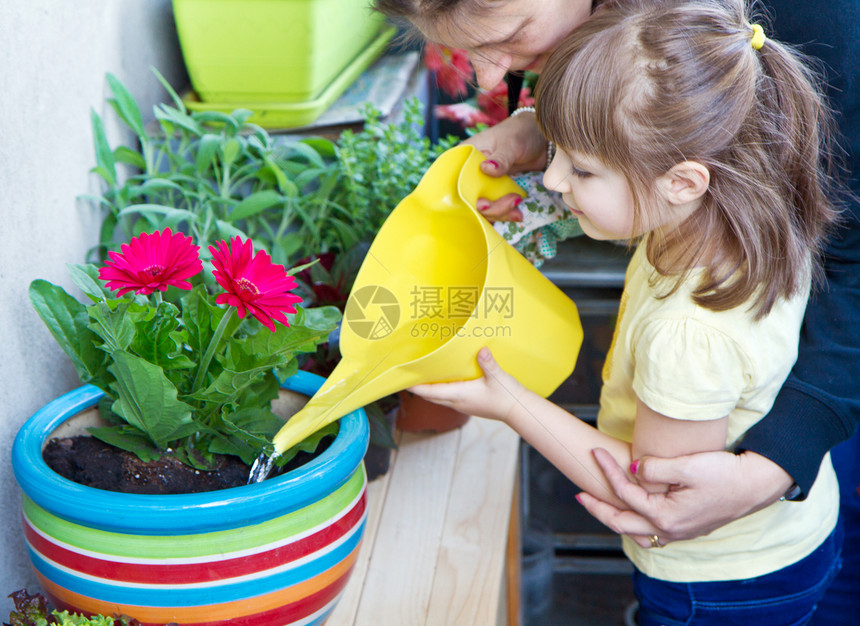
(691, 363)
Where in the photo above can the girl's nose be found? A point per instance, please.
(555, 178)
(490, 70)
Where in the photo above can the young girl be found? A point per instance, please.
(679, 125)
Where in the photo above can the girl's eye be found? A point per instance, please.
(579, 173)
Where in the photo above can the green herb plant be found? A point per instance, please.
(215, 176)
(34, 610)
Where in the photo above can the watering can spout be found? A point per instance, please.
(437, 284)
(345, 390)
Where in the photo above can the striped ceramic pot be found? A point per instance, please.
(277, 552)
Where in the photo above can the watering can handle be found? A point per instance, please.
(473, 183)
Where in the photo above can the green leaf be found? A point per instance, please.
(147, 400)
(217, 118)
(86, 277)
(304, 333)
(231, 150)
(202, 318)
(290, 244)
(104, 156)
(173, 95)
(229, 384)
(159, 342)
(255, 203)
(285, 185)
(115, 326)
(324, 147)
(172, 217)
(207, 148)
(249, 431)
(165, 113)
(67, 321)
(227, 231)
(124, 154)
(127, 437)
(197, 458)
(322, 318)
(155, 185)
(241, 116)
(380, 429)
(126, 106)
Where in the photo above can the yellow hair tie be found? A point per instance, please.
(758, 37)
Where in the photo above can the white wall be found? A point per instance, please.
(55, 54)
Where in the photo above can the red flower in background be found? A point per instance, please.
(494, 103)
(463, 113)
(451, 66)
(492, 107)
(253, 284)
(152, 262)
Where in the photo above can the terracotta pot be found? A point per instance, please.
(419, 415)
(275, 552)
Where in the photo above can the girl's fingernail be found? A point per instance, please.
(634, 467)
(516, 216)
(578, 498)
(517, 202)
(483, 206)
(492, 164)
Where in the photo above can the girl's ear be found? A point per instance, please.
(685, 182)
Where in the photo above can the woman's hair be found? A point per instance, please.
(646, 84)
(420, 9)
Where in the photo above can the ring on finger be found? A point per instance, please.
(655, 541)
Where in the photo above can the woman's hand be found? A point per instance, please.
(495, 395)
(511, 147)
(709, 490)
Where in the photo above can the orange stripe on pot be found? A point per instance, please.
(213, 612)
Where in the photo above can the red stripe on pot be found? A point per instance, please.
(201, 570)
(280, 607)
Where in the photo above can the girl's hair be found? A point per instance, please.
(646, 84)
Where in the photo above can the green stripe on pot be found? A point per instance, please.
(184, 546)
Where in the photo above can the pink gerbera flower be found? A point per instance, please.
(253, 284)
(152, 263)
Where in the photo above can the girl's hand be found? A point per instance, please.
(512, 146)
(495, 395)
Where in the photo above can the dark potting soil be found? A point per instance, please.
(91, 462)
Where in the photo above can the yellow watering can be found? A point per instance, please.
(437, 284)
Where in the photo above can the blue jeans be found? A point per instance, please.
(783, 598)
(840, 606)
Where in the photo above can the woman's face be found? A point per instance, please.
(514, 35)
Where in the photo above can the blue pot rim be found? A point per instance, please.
(181, 513)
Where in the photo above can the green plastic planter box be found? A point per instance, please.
(271, 51)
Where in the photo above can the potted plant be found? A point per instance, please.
(217, 176)
(177, 369)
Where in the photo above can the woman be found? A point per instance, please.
(819, 406)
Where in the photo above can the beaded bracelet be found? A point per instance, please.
(550, 146)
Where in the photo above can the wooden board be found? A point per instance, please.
(435, 554)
